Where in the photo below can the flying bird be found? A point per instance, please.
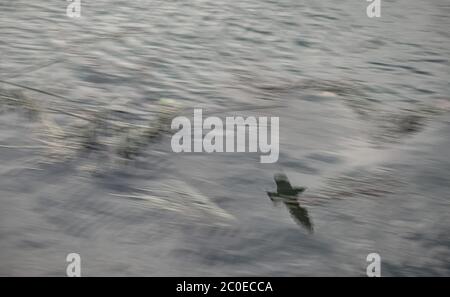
(288, 195)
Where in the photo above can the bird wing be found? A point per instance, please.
(300, 215)
(283, 186)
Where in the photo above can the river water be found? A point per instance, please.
(364, 110)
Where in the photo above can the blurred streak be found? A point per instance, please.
(86, 164)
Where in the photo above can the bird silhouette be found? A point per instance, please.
(288, 195)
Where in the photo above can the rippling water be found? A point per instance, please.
(364, 125)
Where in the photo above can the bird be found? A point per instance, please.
(288, 195)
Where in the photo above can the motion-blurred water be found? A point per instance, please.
(364, 125)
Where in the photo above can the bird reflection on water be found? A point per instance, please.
(288, 195)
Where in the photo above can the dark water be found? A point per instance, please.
(364, 125)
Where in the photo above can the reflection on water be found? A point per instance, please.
(87, 166)
(288, 196)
